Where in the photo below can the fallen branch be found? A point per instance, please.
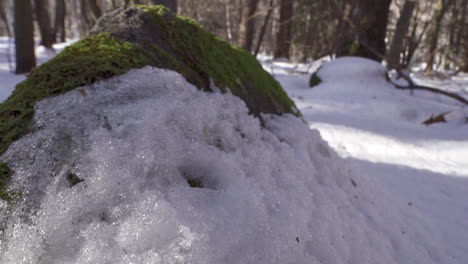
(413, 86)
(436, 119)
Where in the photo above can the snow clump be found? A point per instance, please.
(144, 168)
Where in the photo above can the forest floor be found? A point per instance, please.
(378, 131)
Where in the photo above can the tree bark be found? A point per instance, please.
(434, 34)
(264, 26)
(95, 9)
(372, 21)
(460, 42)
(415, 38)
(24, 36)
(344, 35)
(283, 39)
(464, 67)
(227, 12)
(310, 27)
(43, 20)
(172, 4)
(401, 31)
(4, 19)
(59, 28)
(247, 25)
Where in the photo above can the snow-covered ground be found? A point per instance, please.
(378, 129)
(278, 195)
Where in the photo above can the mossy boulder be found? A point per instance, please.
(5, 175)
(314, 80)
(179, 44)
(126, 39)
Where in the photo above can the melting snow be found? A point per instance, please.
(272, 195)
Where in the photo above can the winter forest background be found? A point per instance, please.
(357, 152)
(432, 34)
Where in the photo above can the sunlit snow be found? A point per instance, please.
(273, 195)
(277, 194)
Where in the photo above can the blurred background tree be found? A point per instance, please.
(430, 34)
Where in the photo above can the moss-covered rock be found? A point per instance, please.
(126, 39)
(314, 80)
(92, 59)
(95, 58)
(179, 44)
(5, 175)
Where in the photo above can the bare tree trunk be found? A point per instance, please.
(464, 67)
(459, 42)
(415, 38)
(264, 26)
(434, 34)
(95, 9)
(464, 36)
(344, 34)
(172, 4)
(247, 25)
(309, 43)
(85, 16)
(24, 36)
(43, 20)
(59, 28)
(283, 39)
(372, 27)
(402, 27)
(4, 19)
(227, 12)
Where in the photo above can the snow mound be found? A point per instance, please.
(350, 69)
(145, 168)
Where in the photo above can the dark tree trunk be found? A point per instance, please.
(344, 35)
(43, 20)
(309, 44)
(95, 9)
(371, 23)
(459, 42)
(90, 12)
(24, 36)
(283, 38)
(463, 39)
(59, 28)
(434, 34)
(264, 27)
(402, 28)
(172, 4)
(247, 25)
(464, 67)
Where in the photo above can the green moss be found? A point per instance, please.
(195, 183)
(314, 80)
(92, 59)
(5, 175)
(188, 49)
(73, 179)
(354, 49)
(87, 61)
(201, 57)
